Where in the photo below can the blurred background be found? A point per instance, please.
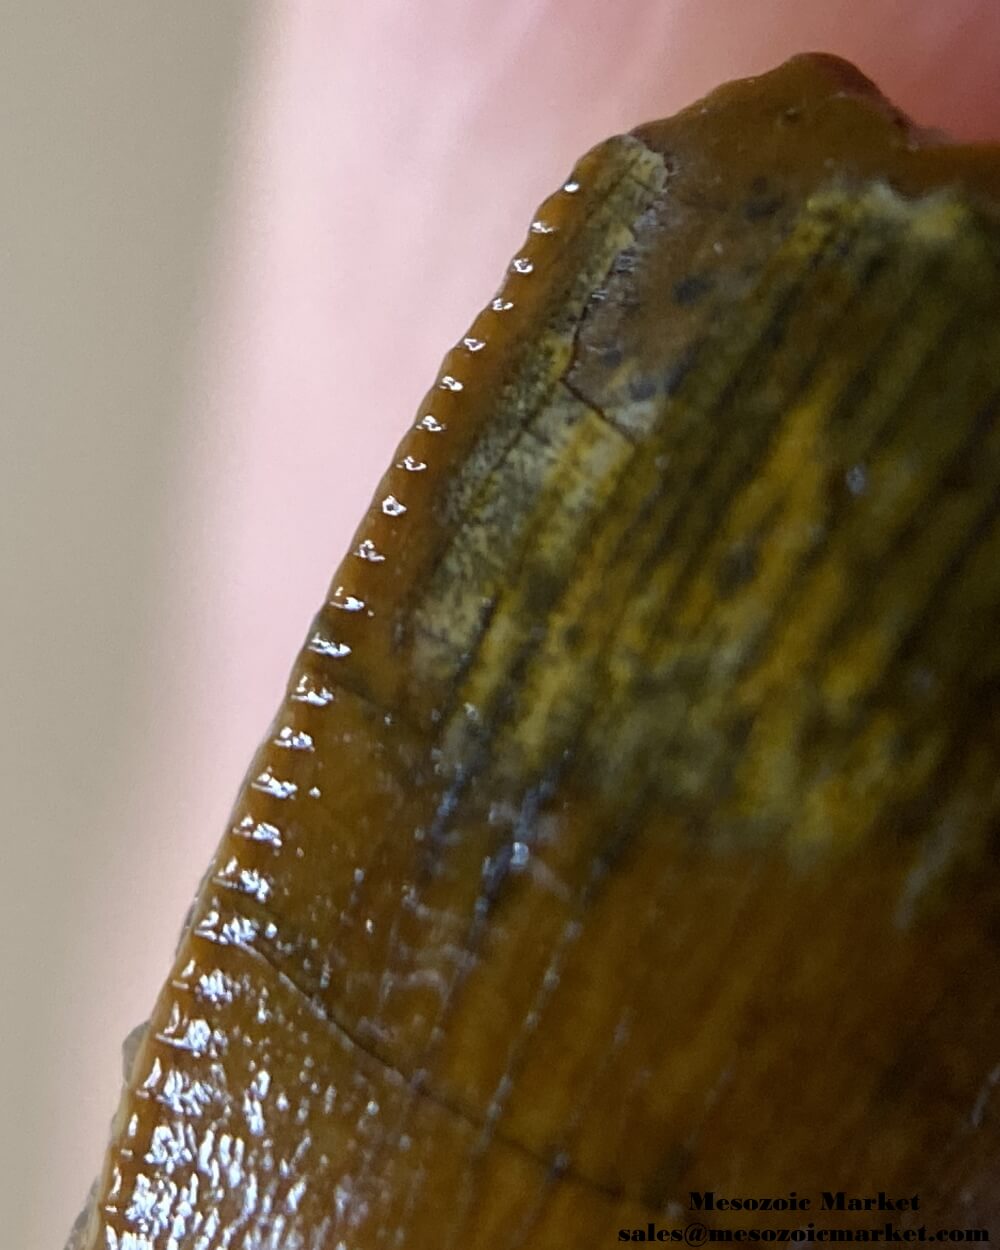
(237, 240)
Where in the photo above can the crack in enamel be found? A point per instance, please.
(505, 945)
(564, 620)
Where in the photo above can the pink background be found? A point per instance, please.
(380, 164)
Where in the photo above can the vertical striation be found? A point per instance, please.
(630, 824)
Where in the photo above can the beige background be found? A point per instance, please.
(236, 240)
(116, 135)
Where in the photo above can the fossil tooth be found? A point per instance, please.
(633, 831)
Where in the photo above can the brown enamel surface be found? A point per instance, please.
(629, 827)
